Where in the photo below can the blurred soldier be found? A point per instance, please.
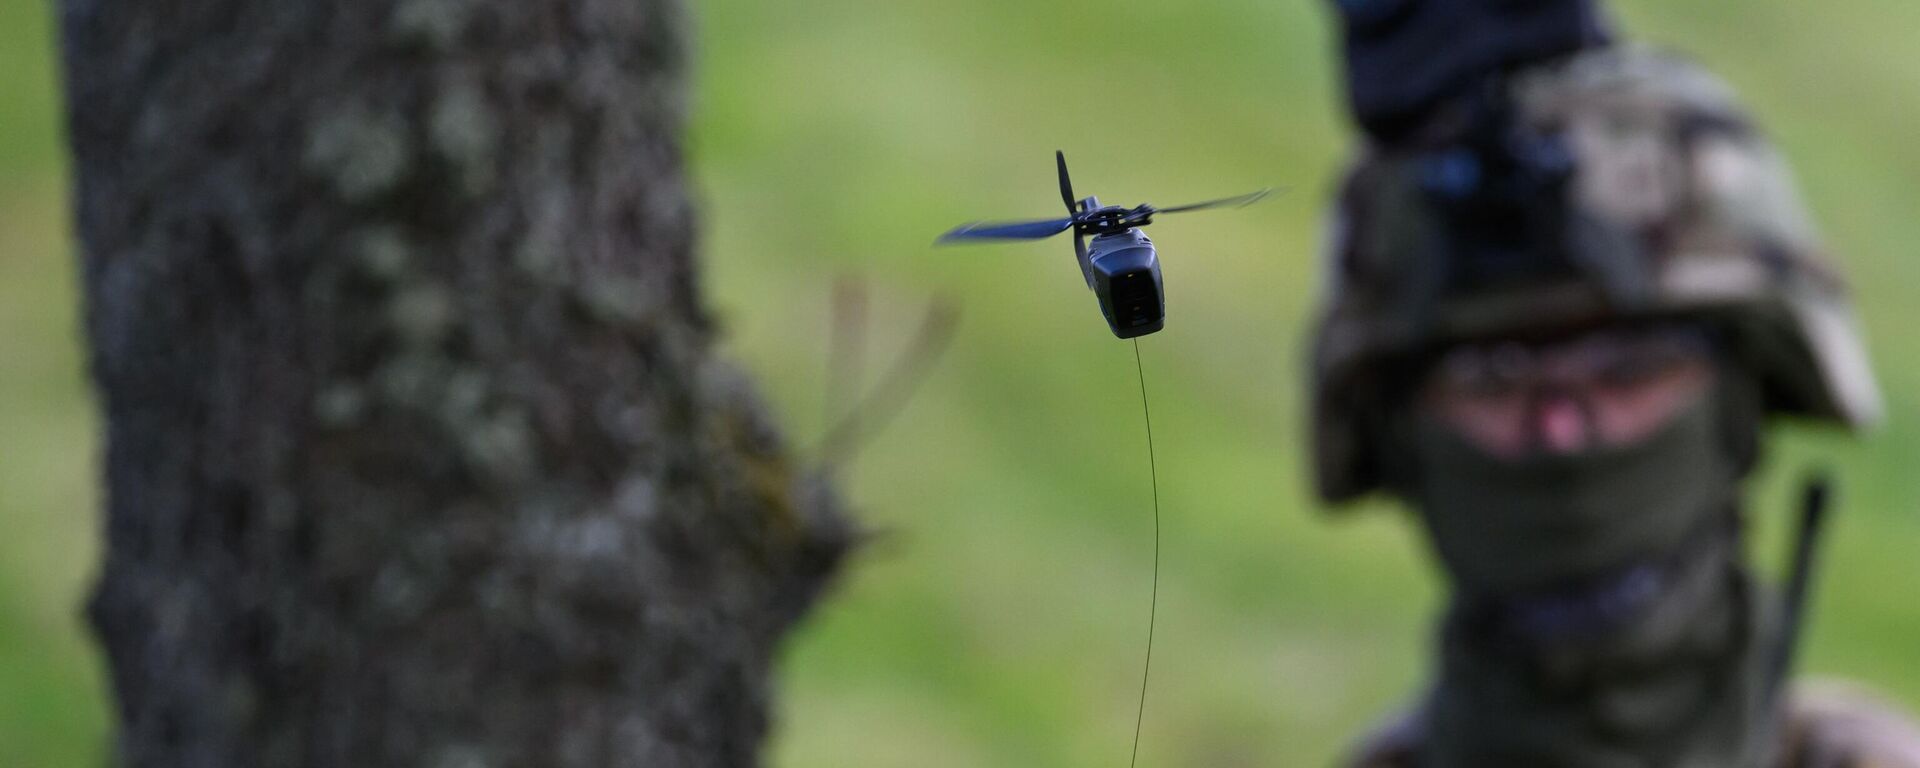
(1568, 283)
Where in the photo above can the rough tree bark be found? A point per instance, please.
(418, 452)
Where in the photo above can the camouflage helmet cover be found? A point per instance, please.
(1674, 206)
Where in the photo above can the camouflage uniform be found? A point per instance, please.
(1829, 725)
(1671, 206)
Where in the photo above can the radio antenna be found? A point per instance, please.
(1814, 501)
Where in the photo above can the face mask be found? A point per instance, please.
(1671, 679)
(1506, 527)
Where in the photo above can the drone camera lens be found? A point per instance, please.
(1135, 298)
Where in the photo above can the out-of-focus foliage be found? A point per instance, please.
(53, 702)
(998, 617)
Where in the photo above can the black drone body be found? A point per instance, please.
(1120, 264)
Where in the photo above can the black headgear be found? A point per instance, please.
(1404, 57)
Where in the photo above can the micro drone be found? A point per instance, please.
(1120, 266)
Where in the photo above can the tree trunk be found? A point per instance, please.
(418, 452)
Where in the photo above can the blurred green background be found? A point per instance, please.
(999, 618)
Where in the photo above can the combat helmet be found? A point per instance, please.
(1616, 184)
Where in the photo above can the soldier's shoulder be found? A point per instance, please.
(1834, 724)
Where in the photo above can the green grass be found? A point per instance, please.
(1000, 618)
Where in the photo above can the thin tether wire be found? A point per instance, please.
(1153, 605)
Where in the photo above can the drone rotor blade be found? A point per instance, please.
(1225, 202)
(1023, 230)
(1066, 183)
